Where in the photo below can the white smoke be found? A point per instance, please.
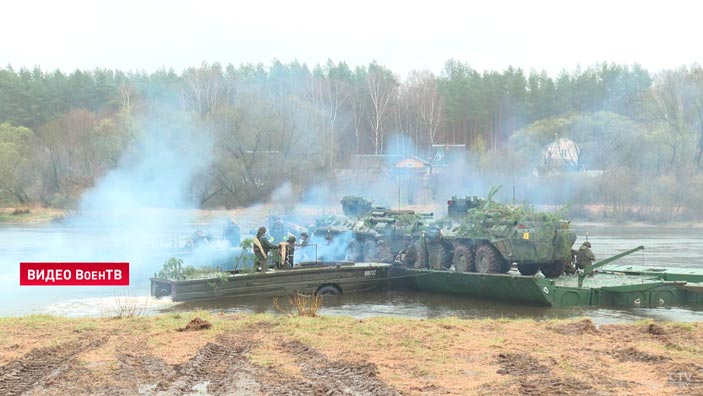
(138, 208)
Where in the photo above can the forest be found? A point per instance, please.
(639, 133)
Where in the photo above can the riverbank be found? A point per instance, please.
(30, 215)
(263, 354)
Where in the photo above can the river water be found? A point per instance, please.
(671, 246)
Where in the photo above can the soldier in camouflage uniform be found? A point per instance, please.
(585, 256)
(383, 253)
(262, 246)
(290, 252)
(408, 256)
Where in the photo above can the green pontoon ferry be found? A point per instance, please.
(620, 286)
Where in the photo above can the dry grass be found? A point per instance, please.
(124, 306)
(303, 304)
(416, 357)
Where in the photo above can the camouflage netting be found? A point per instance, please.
(494, 221)
(478, 221)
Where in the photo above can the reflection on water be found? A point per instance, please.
(421, 305)
(665, 246)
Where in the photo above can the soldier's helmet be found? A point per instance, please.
(587, 244)
(291, 239)
(304, 235)
(261, 231)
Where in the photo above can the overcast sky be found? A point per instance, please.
(402, 35)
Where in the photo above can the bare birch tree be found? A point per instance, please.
(428, 103)
(381, 90)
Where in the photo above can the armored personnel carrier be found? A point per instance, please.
(367, 233)
(488, 237)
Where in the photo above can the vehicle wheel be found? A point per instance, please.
(554, 270)
(370, 251)
(355, 252)
(421, 261)
(444, 257)
(463, 259)
(439, 256)
(328, 290)
(488, 260)
(528, 269)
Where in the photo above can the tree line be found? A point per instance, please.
(60, 132)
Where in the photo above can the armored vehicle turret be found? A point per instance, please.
(458, 207)
(353, 206)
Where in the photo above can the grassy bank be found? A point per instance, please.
(30, 215)
(266, 354)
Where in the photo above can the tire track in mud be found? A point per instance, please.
(222, 368)
(22, 374)
(532, 377)
(337, 377)
(219, 368)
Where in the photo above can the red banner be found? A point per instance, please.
(74, 274)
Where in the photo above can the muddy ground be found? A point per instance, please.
(281, 355)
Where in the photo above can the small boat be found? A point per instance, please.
(325, 278)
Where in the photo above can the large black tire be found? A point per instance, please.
(463, 259)
(421, 261)
(488, 260)
(528, 269)
(433, 256)
(445, 257)
(554, 269)
(328, 290)
(440, 256)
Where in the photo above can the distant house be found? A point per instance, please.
(559, 156)
(388, 165)
(412, 165)
(369, 165)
